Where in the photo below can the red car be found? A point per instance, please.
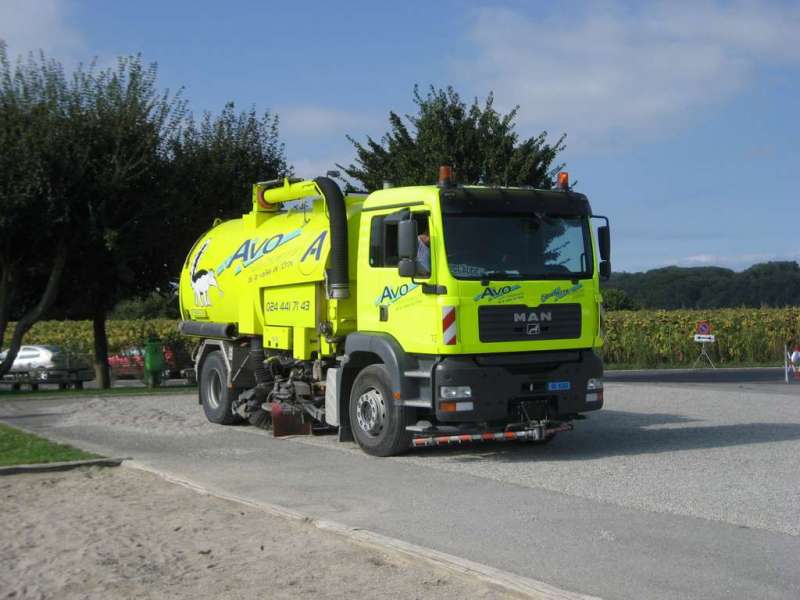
(129, 363)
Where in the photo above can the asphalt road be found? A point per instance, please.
(675, 490)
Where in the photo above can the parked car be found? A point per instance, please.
(36, 365)
(129, 363)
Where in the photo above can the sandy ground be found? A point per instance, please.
(122, 533)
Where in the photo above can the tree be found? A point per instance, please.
(42, 165)
(615, 299)
(129, 124)
(773, 284)
(152, 306)
(213, 165)
(476, 140)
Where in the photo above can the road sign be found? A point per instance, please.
(702, 328)
(705, 339)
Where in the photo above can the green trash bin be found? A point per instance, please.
(153, 362)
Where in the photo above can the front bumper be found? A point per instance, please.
(547, 385)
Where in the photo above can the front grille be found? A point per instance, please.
(521, 323)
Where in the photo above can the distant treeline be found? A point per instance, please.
(771, 284)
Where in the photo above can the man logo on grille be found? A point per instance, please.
(533, 329)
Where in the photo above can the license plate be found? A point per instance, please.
(558, 386)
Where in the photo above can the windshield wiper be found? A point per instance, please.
(489, 275)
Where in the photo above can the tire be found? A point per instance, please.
(378, 426)
(216, 397)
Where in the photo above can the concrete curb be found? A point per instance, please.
(61, 466)
(497, 577)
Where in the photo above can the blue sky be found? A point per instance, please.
(681, 118)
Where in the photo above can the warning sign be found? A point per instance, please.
(702, 328)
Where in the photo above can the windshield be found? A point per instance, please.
(517, 246)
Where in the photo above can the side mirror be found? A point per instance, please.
(604, 242)
(407, 239)
(605, 269)
(407, 248)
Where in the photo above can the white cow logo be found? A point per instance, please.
(202, 280)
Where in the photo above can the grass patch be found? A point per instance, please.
(22, 448)
(8, 394)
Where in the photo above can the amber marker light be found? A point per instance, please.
(445, 176)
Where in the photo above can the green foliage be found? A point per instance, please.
(666, 338)
(476, 140)
(152, 306)
(616, 299)
(77, 336)
(22, 448)
(129, 124)
(106, 171)
(212, 166)
(773, 284)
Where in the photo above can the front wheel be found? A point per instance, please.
(216, 397)
(378, 425)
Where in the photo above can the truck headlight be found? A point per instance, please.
(594, 384)
(454, 392)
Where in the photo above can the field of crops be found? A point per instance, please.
(633, 338)
(666, 338)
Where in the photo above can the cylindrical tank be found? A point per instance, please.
(226, 271)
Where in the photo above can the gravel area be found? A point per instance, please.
(122, 533)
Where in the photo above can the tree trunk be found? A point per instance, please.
(45, 302)
(101, 370)
(4, 302)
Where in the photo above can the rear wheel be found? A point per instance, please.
(215, 395)
(378, 425)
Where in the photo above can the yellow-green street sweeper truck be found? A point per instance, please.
(410, 316)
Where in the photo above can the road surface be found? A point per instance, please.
(675, 490)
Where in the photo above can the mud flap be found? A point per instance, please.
(288, 423)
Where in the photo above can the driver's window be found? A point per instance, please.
(423, 244)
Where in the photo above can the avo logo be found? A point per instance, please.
(252, 250)
(390, 294)
(494, 293)
(558, 293)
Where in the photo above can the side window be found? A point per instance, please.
(383, 236)
(383, 242)
(376, 242)
(390, 258)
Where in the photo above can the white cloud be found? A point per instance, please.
(319, 121)
(32, 25)
(608, 72)
(310, 168)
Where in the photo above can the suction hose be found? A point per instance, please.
(338, 277)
